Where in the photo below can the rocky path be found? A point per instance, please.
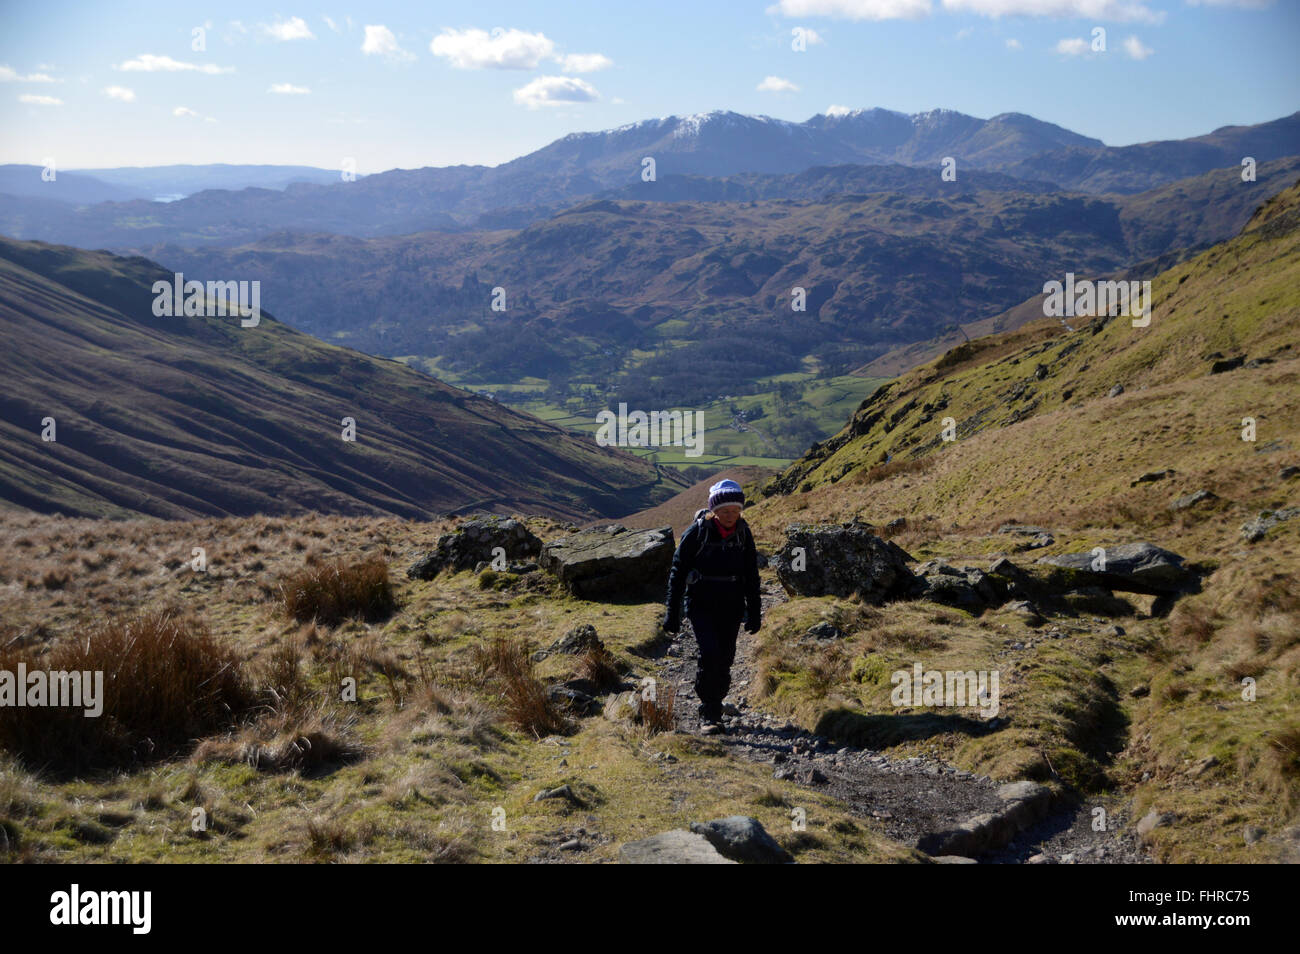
(907, 798)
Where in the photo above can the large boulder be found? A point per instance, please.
(965, 588)
(612, 563)
(840, 560)
(476, 541)
(1131, 567)
(743, 839)
(677, 847)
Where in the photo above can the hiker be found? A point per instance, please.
(717, 567)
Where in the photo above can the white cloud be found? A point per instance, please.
(1134, 48)
(183, 111)
(120, 92)
(1013, 44)
(151, 63)
(10, 75)
(811, 37)
(288, 89)
(500, 50)
(1123, 10)
(40, 100)
(585, 62)
(964, 32)
(331, 24)
(854, 9)
(555, 91)
(1243, 4)
(380, 41)
(776, 84)
(838, 110)
(295, 28)
(1072, 46)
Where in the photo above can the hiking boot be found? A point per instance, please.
(712, 728)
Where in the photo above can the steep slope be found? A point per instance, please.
(179, 417)
(1182, 433)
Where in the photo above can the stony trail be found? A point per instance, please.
(907, 799)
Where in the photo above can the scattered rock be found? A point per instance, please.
(1153, 820)
(1023, 529)
(824, 630)
(573, 844)
(1116, 391)
(965, 588)
(677, 847)
(1286, 473)
(1191, 500)
(743, 839)
(1140, 692)
(1253, 531)
(1252, 834)
(1201, 766)
(577, 640)
(1151, 476)
(953, 860)
(564, 791)
(1227, 364)
(472, 543)
(840, 560)
(1024, 804)
(896, 525)
(1133, 567)
(612, 562)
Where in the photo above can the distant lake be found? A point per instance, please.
(169, 197)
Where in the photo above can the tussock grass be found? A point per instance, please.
(166, 682)
(332, 592)
(508, 666)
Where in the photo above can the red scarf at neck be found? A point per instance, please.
(723, 531)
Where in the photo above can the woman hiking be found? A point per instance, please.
(716, 568)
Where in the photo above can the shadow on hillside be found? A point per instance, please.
(882, 731)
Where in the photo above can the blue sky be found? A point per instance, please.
(408, 85)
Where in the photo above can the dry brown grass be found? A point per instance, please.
(166, 681)
(508, 667)
(655, 710)
(599, 666)
(330, 593)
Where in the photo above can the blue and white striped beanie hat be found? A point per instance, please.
(725, 492)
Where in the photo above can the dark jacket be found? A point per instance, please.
(725, 580)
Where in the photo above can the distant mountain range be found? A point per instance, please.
(86, 186)
(656, 290)
(585, 165)
(182, 417)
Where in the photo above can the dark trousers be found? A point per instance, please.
(716, 636)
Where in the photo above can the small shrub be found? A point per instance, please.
(598, 665)
(166, 681)
(508, 665)
(330, 593)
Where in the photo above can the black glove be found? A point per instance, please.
(672, 623)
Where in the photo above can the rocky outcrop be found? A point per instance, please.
(841, 560)
(743, 839)
(478, 540)
(612, 563)
(1130, 567)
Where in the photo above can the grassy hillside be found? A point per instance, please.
(1120, 698)
(177, 417)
